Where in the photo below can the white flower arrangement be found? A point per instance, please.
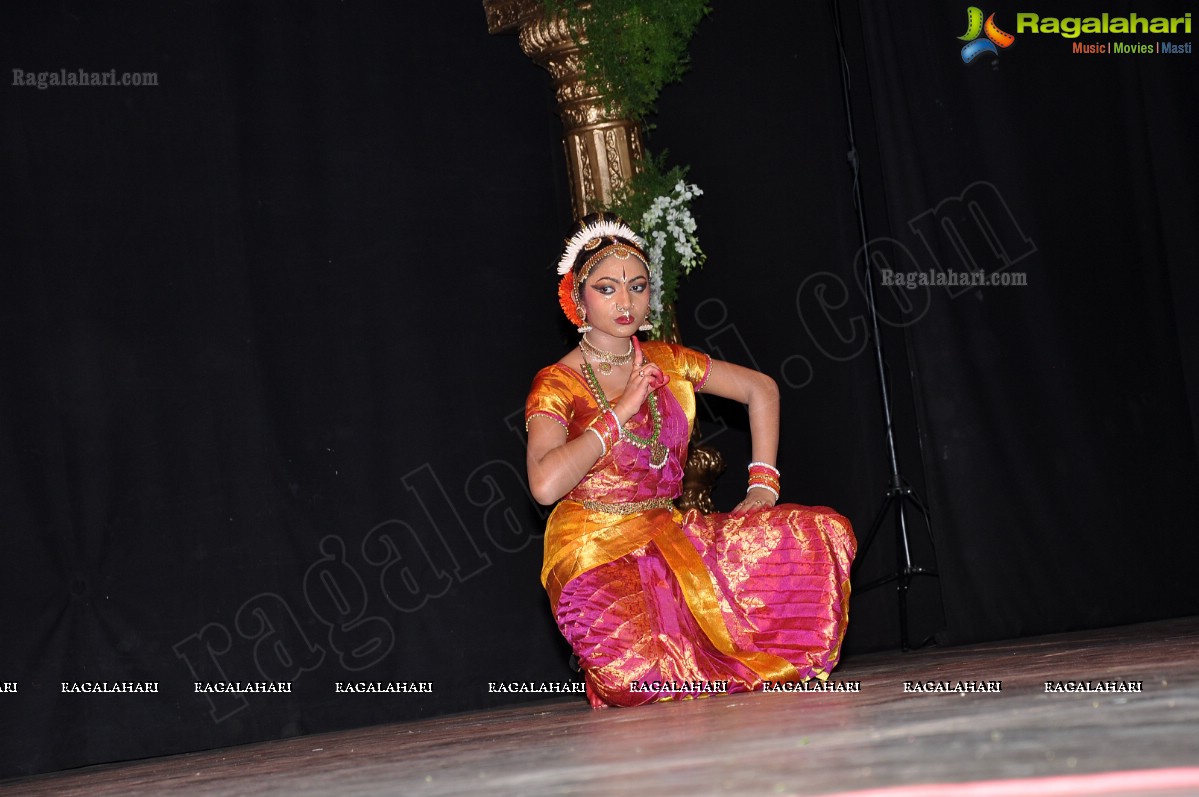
(673, 248)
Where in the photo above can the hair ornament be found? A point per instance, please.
(600, 228)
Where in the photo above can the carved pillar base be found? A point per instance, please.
(703, 468)
(704, 463)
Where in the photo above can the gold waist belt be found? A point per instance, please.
(629, 509)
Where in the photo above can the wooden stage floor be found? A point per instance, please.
(876, 741)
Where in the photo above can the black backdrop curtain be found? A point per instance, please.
(1059, 419)
(267, 330)
(264, 327)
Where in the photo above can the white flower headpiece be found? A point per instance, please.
(596, 229)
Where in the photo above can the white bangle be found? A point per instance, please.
(600, 437)
(768, 466)
(770, 490)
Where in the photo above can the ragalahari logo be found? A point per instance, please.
(995, 38)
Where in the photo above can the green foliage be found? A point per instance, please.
(634, 47)
(632, 200)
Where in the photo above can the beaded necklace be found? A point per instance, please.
(658, 453)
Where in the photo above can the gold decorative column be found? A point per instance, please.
(603, 150)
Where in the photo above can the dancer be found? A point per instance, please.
(656, 603)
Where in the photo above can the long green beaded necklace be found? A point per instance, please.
(658, 453)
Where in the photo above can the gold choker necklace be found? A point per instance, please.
(606, 359)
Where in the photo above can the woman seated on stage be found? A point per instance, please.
(656, 603)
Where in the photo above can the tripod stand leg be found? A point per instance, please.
(870, 535)
(903, 568)
(904, 580)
